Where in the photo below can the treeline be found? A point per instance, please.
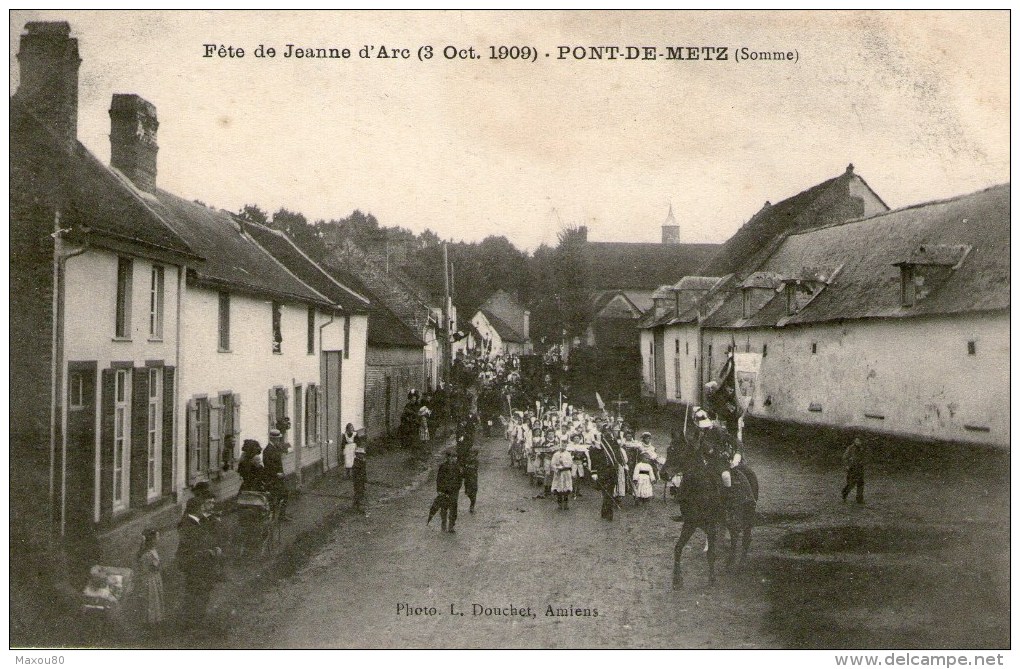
(553, 282)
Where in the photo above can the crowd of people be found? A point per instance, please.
(563, 449)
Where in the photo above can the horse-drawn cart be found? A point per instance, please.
(258, 526)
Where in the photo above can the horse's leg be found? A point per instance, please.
(686, 532)
(749, 516)
(711, 531)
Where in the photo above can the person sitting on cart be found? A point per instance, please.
(250, 467)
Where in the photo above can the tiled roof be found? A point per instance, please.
(867, 251)
(281, 247)
(644, 266)
(503, 329)
(384, 328)
(758, 237)
(94, 195)
(233, 259)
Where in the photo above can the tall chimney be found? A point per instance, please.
(133, 148)
(48, 61)
(670, 229)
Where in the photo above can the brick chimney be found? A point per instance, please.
(670, 229)
(133, 148)
(48, 61)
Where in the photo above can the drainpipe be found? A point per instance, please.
(60, 259)
(182, 273)
(323, 444)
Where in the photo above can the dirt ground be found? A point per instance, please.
(923, 564)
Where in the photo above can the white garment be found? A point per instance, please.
(644, 476)
(349, 445)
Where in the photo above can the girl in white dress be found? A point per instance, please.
(644, 477)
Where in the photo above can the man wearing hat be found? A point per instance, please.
(854, 458)
(272, 463)
(198, 557)
(447, 489)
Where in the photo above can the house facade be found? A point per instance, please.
(150, 335)
(895, 324)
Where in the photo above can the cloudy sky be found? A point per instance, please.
(918, 102)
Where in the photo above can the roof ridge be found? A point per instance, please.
(917, 205)
(297, 248)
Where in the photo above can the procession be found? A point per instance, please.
(487, 328)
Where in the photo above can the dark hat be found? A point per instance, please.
(194, 506)
(202, 491)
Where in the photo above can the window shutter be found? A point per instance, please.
(167, 462)
(236, 422)
(297, 436)
(272, 409)
(215, 438)
(138, 488)
(106, 446)
(192, 450)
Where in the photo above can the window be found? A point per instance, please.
(123, 323)
(687, 348)
(278, 417)
(311, 330)
(676, 375)
(224, 344)
(121, 437)
(154, 433)
(764, 350)
(677, 346)
(277, 327)
(814, 347)
(312, 415)
(972, 347)
(156, 303)
(213, 431)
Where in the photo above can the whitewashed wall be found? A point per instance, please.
(908, 377)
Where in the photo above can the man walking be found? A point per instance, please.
(447, 489)
(854, 459)
(272, 463)
(469, 472)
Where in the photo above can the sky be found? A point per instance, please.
(918, 102)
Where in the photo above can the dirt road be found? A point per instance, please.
(923, 564)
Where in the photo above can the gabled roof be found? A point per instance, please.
(756, 239)
(93, 195)
(867, 252)
(688, 297)
(283, 248)
(643, 266)
(503, 329)
(697, 283)
(504, 295)
(384, 328)
(233, 259)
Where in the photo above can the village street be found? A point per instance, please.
(923, 564)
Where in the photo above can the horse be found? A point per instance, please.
(700, 502)
(712, 495)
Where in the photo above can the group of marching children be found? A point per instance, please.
(561, 448)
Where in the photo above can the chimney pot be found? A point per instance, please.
(133, 148)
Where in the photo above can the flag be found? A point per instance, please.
(602, 405)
